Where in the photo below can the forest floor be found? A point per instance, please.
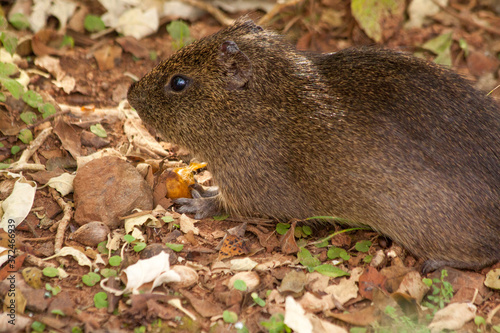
(228, 276)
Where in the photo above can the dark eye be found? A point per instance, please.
(178, 83)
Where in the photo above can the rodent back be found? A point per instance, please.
(239, 80)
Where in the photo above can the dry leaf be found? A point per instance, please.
(453, 317)
(9, 320)
(146, 219)
(344, 291)
(245, 264)
(314, 304)
(139, 137)
(294, 282)
(323, 326)
(155, 269)
(251, 279)
(493, 279)
(138, 23)
(18, 205)
(79, 256)
(63, 183)
(187, 224)
(295, 317)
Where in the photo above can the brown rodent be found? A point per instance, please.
(377, 137)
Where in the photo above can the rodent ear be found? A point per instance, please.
(236, 66)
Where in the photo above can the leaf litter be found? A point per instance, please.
(258, 258)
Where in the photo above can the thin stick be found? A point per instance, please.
(276, 10)
(215, 12)
(22, 164)
(63, 223)
(466, 19)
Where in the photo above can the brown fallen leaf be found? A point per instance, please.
(108, 57)
(369, 280)
(203, 307)
(287, 241)
(69, 136)
(132, 45)
(363, 317)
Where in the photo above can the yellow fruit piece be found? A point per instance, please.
(178, 180)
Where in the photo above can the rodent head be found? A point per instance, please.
(219, 84)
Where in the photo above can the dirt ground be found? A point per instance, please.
(207, 300)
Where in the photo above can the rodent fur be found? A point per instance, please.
(374, 136)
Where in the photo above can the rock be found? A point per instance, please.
(107, 189)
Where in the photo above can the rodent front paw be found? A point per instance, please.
(201, 207)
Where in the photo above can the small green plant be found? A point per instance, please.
(302, 231)
(9, 42)
(58, 312)
(129, 238)
(276, 324)
(76, 329)
(68, 41)
(314, 264)
(229, 317)
(28, 117)
(282, 228)
(50, 272)
(106, 272)
(306, 259)
(402, 323)
(363, 246)
(140, 329)
(91, 279)
(480, 323)
(101, 247)
(25, 136)
(167, 219)
(93, 23)
(179, 31)
(98, 130)
(139, 246)
(15, 149)
(101, 300)
(30, 97)
(259, 301)
(38, 326)
(240, 285)
(337, 252)
(442, 292)
(220, 217)
(115, 261)
(175, 247)
(54, 290)
(19, 21)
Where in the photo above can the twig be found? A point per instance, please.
(63, 223)
(467, 20)
(52, 116)
(39, 239)
(276, 10)
(215, 12)
(22, 164)
(35, 261)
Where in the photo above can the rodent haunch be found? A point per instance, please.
(377, 137)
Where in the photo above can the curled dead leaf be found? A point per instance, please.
(91, 233)
(251, 280)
